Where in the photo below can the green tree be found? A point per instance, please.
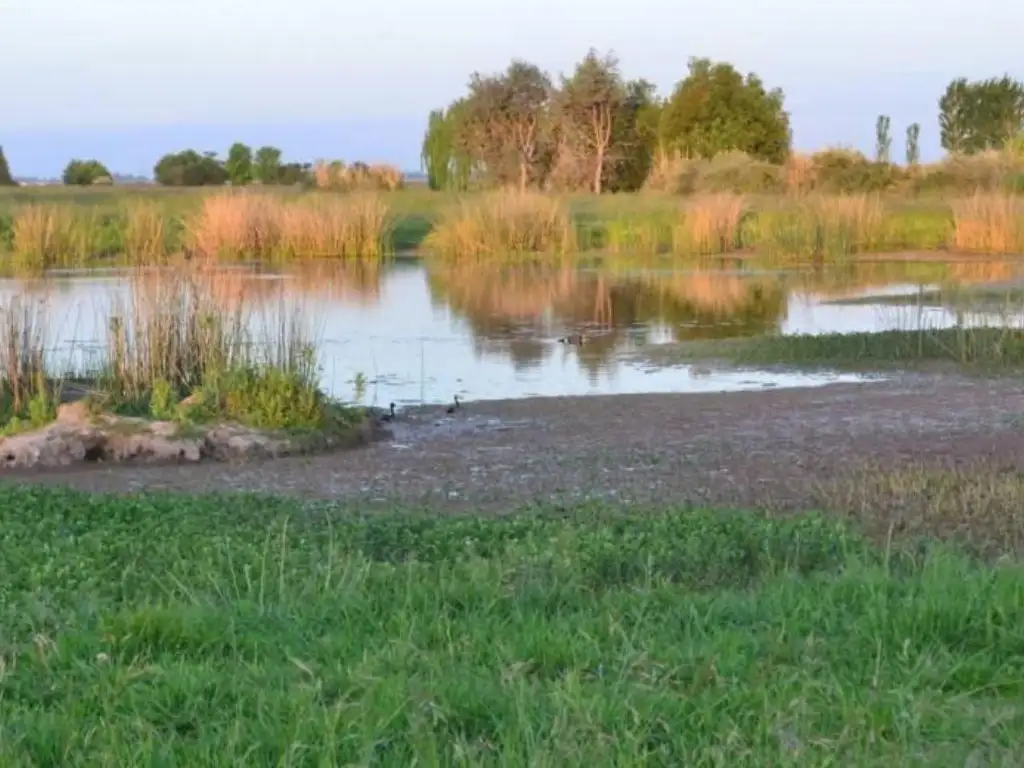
(438, 148)
(239, 164)
(292, 174)
(883, 139)
(913, 144)
(446, 154)
(980, 115)
(716, 109)
(504, 121)
(6, 179)
(190, 169)
(267, 168)
(86, 172)
(635, 138)
(590, 102)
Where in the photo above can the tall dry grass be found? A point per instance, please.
(145, 232)
(23, 339)
(336, 175)
(255, 226)
(189, 327)
(172, 329)
(989, 222)
(50, 236)
(710, 224)
(503, 223)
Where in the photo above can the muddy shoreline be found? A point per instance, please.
(765, 448)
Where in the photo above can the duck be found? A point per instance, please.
(454, 407)
(576, 339)
(389, 416)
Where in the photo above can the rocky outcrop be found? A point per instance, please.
(78, 436)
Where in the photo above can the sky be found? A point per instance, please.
(125, 81)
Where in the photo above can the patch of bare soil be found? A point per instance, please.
(769, 448)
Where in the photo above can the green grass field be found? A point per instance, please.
(212, 631)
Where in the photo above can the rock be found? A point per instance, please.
(231, 442)
(56, 445)
(150, 447)
(76, 412)
(78, 436)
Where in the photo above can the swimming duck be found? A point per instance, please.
(576, 339)
(453, 408)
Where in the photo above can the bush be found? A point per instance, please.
(85, 173)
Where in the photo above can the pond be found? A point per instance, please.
(416, 334)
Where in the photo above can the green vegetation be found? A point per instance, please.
(83, 173)
(987, 348)
(176, 351)
(981, 115)
(447, 164)
(239, 165)
(45, 229)
(218, 630)
(6, 179)
(715, 109)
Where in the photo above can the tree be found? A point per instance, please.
(980, 115)
(504, 120)
(635, 137)
(436, 152)
(716, 109)
(291, 174)
(239, 164)
(883, 139)
(267, 168)
(190, 169)
(913, 144)
(86, 172)
(6, 180)
(588, 105)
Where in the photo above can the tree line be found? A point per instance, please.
(595, 129)
(598, 131)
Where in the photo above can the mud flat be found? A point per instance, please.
(767, 448)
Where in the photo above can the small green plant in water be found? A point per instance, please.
(359, 386)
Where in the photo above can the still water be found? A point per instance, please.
(421, 335)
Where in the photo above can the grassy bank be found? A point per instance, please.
(213, 631)
(985, 348)
(48, 228)
(184, 345)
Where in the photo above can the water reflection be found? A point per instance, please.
(421, 333)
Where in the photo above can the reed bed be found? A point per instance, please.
(146, 232)
(177, 335)
(989, 222)
(264, 225)
(249, 226)
(173, 349)
(24, 394)
(826, 227)
(710, 224)
(505, 222)
(53, 236)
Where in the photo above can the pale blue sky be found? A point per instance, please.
(126, 80)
